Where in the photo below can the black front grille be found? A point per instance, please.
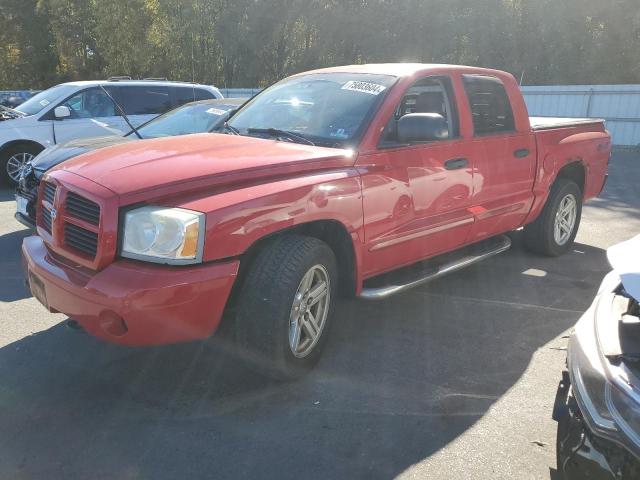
(82, 208)
(46, 219)
(49, 192)
(81, 239)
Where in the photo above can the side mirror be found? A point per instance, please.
(61, 112)
(422, 127)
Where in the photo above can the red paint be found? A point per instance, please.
(398, 205)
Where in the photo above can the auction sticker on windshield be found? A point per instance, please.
(364, 87)
(216, 111)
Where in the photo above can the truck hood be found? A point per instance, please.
(625, 261)
(52, 156)
(164, 166)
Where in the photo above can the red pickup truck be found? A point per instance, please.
(361, 180)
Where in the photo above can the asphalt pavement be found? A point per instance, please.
(453, 380)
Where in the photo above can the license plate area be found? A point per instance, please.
(21, 204)
(37, 289)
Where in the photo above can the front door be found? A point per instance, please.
(416, 200)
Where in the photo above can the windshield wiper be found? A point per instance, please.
(121, 111)
(229, 128)
(277, 133)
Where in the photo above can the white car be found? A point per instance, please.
(85, 109)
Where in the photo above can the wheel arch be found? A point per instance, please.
(333, 232)
(575, 171)
(14, 143)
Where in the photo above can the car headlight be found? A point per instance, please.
(588, 378)
(163, 235)
(606, 397)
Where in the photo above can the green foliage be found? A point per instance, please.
(248, 43)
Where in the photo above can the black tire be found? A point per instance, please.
(539, 236)
(266, 301)
(20, 148)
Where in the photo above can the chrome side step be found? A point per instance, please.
(403, 279)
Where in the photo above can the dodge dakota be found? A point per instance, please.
(360, 180)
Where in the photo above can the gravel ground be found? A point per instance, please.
(452, 380)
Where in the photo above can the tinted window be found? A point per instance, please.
(490, 106)
(144, 100)
(90, 103)
(182, 95)
(203, 94)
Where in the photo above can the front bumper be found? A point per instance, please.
(582, 454)
(132, 303)
(26, 221)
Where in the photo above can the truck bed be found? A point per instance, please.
(547, 123)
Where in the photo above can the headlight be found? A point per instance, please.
(588, 379)
(607, 400)
(163, 235)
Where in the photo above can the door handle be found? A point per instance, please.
(521, 153)
(456, 163)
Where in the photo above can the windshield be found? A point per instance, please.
(328, 109)
(190, 118)
(41, 100)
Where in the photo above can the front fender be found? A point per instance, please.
(237, 218)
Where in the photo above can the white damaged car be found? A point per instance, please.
(597, 405)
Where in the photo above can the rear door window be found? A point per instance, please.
(144, 99)
(489, 103)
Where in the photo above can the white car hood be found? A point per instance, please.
(625, 260)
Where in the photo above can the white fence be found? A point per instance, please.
(619, 105)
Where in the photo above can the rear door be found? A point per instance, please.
(504, 173)
(93, 114)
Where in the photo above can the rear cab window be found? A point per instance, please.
(489, 103)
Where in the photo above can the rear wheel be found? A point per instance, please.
(555, 229)
(14, 159)
(285, 306)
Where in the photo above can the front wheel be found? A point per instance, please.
(555, 229)
(14, 159)
(285, 306)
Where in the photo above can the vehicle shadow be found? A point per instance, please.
(11, 273)
(399, 380)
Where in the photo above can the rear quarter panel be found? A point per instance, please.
(589, 145)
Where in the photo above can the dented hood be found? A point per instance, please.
(625, 261)
(172, 164)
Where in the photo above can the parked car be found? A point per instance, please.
(194, 117)
(328, 182)
(84, 109)
(597, 406)
(10, 100)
